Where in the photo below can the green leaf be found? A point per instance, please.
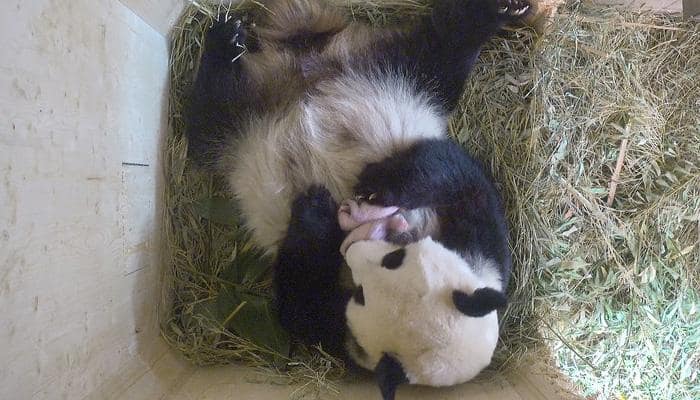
(253, 318)
(248, 267)
(207, 308)
(219, 210)
(253, 265)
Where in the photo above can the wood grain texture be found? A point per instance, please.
(668, 6)
(691, 9)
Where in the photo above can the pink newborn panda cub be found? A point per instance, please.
(369, 222)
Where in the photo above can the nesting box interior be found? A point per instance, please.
(85, 90)
(86, 102)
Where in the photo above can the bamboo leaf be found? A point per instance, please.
(219, 210)
(253, 318)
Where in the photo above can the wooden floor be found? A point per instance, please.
(671, 6)
(242, 384)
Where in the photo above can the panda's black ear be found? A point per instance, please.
(390, 375)
(479, 303)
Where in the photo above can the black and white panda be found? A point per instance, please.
(301, 108)
(440, 313)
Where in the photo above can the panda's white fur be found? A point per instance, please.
(283, 154)
(409, 313)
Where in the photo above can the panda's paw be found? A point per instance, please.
(513, 9)
(380, 184)
(314, 213)
(376, 195)
(228, 39)
(387, 191)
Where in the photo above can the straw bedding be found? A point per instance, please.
(592, 131)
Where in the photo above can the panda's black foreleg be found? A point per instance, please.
(219, 96)
(439, 174)
(430, 173)
(310, 301)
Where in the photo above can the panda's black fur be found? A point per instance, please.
(269, 83)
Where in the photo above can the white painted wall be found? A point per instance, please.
(159, 14)
(82, 94)
(83, 100)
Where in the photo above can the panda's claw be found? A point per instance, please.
(229, 38)
(513, 8)
(359, 198)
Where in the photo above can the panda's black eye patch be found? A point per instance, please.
(359, 296)
(394, 259)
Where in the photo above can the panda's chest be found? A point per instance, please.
(371, 115)
(325, 138)
(346, 124)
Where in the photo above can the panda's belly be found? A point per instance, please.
(325, 139)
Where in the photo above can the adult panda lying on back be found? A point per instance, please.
(304, 109)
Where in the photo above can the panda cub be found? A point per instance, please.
(300, 108)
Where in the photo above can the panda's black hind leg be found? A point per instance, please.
(441, 50)
(220, 96)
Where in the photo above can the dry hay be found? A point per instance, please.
(616, 132)
(593, 134)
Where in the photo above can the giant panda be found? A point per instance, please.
(300, 108)
(439, 312)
